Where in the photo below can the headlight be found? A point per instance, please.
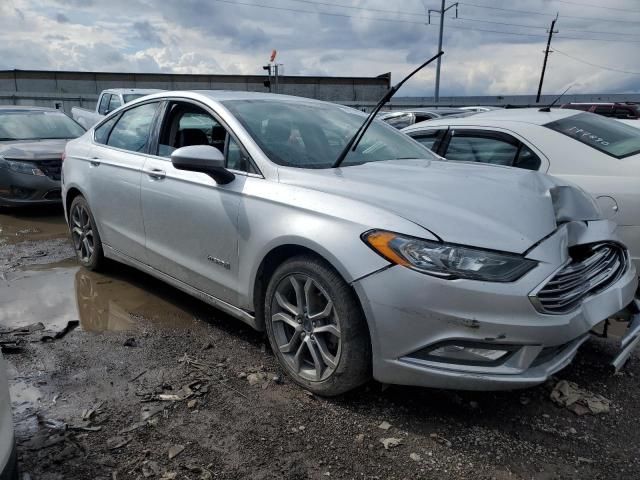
(446, 260)
(21, 167)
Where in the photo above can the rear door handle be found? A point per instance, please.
(156, 173)
(95, 161)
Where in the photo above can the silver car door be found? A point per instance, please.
(116, 159)
(191, 221)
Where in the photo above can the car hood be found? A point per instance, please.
(485, 206)
(33, 150)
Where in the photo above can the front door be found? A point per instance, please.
(191, 221)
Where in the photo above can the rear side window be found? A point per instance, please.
(605, 135)
(133, 128)
(104, 103)
(468, 148)
(428, 138)
(101, 134)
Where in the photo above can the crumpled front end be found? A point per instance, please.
(475, 335)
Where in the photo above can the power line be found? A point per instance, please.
(540, 27)
(531, 12)
(590, 5)
(594, 64)
(355, 7)
(393, 20)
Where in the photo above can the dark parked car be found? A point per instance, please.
(32, 140)
(626, 110)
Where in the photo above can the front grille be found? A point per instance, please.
(51, 168)
(592, 269)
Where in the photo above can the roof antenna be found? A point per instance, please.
(353, 142)
(548, 109)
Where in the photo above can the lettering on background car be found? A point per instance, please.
(584, 133)
(217, 261)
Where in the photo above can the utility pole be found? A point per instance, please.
(442, 11)
(546, 55)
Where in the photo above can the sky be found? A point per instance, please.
(494, 47)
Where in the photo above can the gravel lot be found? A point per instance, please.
(155, 384)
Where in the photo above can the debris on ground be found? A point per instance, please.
(579, 401)
(440, 439)
(416, 457)
(71, 324)
(390, 442)
(114, 443)
(174, 451)
(384, 426)
(130, 342)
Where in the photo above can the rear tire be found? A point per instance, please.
(316, 327)
(84, 235)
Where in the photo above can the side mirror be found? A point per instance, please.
(204, 159)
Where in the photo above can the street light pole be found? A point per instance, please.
(441, 12)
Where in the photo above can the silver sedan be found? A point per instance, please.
(396, 265)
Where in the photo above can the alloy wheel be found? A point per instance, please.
(305, 326)
(82, 232)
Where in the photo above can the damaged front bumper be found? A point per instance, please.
(472, 335)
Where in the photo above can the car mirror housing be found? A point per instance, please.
(204, 159)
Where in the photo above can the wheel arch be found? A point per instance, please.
(275, 257)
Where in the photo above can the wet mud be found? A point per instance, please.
(155, 384)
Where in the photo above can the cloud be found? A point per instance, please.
(489, 51)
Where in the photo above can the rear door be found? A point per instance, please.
(189, 219)
(117, 157)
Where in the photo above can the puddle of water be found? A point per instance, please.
(31, 225)
(119, 301)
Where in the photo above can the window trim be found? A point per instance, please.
(160, 120)
(438, 142)
(104, 95)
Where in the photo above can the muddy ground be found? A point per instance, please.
(155, 384)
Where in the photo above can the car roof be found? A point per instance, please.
(531, 116)
(27, 108)
(133, 90)
(223, 95)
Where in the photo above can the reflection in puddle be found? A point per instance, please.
(127, 300)
(14, 229)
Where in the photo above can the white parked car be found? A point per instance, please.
(8, 461)
(599, 154)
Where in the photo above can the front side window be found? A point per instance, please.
(187, 124)
(104, 103)
(37, 125)
(131, 132)
(311, 135)
(605, 135)
(605, 110)
(483, 149)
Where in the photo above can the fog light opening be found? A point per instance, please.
(466, 353)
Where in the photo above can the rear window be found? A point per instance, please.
(605, 135)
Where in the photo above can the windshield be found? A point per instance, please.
(36, 125)
(604, 134)
(312, 135)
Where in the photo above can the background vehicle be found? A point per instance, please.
(479, 108)
(8, 458)
(403, 118)
(395, 264)
(108, 101)
(599, 154)
(32, 140)
(626, 110)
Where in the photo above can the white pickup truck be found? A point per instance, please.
(108, 101)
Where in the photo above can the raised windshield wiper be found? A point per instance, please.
(353, 142)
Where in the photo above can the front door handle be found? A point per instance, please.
(156, 173)
(95, 161)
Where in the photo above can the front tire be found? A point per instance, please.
(84, 235)
(316, 327)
